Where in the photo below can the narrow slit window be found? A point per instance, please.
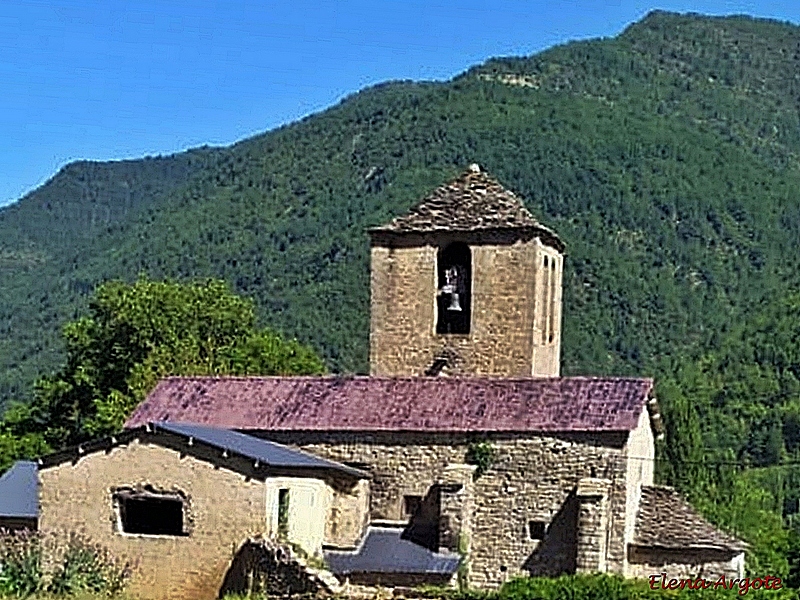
(454, 289)
(545, 299)
(151, 514)
(552, 312)
(283, 512)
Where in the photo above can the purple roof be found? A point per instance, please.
(432, 404)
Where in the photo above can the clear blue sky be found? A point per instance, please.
(109, 79)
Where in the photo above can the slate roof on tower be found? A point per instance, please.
(429, 404)
(473, 201)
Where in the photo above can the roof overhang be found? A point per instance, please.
(167, 434)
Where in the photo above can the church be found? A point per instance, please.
(463, 457)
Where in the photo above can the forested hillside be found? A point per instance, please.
(666, 158)
(53, 226)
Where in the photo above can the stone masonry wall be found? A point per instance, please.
(641, 460)
(707, 563)
(273, 570)
(349, 513)
(531, 479)
(508, 293)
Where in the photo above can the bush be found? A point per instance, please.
(576, 587)
(482, 455)
(87, 567)
(615, 587)
(80, 567)
(20, 564)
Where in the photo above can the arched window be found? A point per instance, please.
(551, 328)
(454, 294)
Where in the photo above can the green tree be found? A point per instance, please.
(138, 333)
(684, 448)
(748, 510)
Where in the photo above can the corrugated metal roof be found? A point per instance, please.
(266, 452)
(384, 551)
(19, 491)
(430, 404)
(666, 520)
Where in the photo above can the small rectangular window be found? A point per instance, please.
(411, 505)
(537, 529)
(283, 512)
(151, 514)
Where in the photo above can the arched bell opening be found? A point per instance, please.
(454, 289)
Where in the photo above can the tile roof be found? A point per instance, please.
(266, 452)
(473, 201)
(19, 491)
(431, 404)
(384, 551)
(666, 520)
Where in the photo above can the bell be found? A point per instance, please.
(454, 303)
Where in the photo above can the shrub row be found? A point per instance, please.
(613, 587)
(77, 567)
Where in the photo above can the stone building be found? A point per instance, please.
(178, 501)
(463, 454)
(465, 338)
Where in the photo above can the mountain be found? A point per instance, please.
(666, 158)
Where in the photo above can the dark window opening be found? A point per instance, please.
(362, 466)
(151, 514)
(283, 512)
(537, 529)
(551, 325)
(411, 505)
(545, 300)
(454, 286)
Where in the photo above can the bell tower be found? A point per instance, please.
(468, 283)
